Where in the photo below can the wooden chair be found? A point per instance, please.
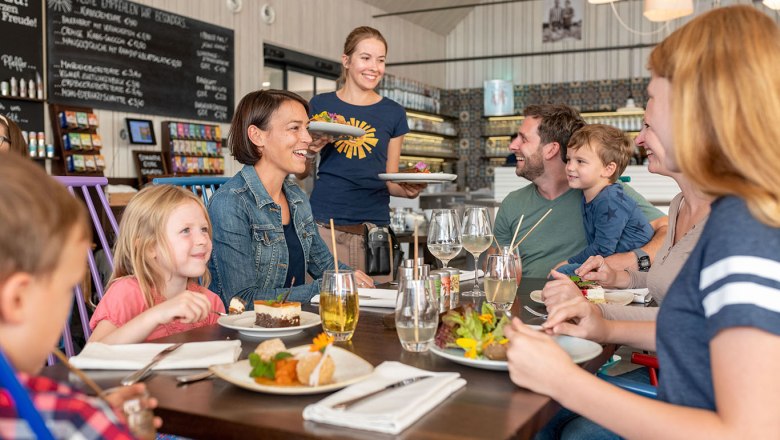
(89, 189)
(201, 186)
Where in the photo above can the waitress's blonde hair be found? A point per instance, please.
(723, 67)
(142, 232)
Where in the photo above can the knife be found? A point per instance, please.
(140, 374)
(348, 403)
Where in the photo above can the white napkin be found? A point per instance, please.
(468, 275)
(99, 356)
(384, 298)
(392, 411)
(640, 295)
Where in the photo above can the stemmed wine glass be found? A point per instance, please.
(444, 239)
(477, 236)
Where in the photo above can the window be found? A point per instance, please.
(298, 72)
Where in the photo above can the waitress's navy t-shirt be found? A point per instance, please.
(348, 188)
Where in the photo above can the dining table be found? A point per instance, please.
(490, 406)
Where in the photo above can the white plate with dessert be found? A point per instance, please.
(335, 129)
(315, 371)
(417, 177)
(271, 319)
(617, 297)
(580, 350)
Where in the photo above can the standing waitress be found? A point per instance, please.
(347, 188)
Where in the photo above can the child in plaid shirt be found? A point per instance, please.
(43, 240)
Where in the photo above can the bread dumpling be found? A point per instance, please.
(268, 349)
(315, 368)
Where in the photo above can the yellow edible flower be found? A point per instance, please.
(488, 341)
(486, 318)
(468, 344)
(320, 342)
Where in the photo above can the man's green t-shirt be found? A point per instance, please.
(559, 236)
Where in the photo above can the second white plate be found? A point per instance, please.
(334, 129)
(418, 177)
(245, 324)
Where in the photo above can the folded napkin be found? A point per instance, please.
(99, 356)
(393, 410)
(468, 275)
(384, 298)
(640, 295)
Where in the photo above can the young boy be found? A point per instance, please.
(597, 155)
(43, 243)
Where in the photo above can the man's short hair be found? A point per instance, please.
(609, 143)
(557, 122)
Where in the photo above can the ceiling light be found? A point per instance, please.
(664, 10)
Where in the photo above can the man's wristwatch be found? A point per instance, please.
(642, 259)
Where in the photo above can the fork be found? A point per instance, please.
(140, 374)
(535, 313)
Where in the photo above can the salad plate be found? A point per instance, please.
(611, 296)
(580, 350)
(350, 368)
(245, 324)
(335, 129)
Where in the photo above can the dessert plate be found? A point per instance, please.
(245, 324)
(417, 177)
(334, 129)
(617, 297)
(350, 368)
(580, 350)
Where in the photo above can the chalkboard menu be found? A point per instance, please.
(120, 55)
(27, 114)
(148, 165)
(21, 41)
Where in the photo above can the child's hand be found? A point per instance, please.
(116, 398)
(186, 307)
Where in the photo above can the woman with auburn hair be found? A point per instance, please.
(11, 138)
(713, 106)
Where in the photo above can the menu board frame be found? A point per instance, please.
(144, 178)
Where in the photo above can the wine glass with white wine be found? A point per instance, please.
(444, 240)
(477, 234)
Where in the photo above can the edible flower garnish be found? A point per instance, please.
(487, 318)
(321, 342)
(469, 345)
(472, 331)
(421, 167)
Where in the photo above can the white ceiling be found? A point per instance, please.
(440, 22)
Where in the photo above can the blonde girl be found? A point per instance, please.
(714, 103)
(163, 247)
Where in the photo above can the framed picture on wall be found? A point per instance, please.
(141, 131)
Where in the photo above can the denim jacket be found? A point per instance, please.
(249, 257)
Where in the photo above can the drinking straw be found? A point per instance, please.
(333, 240)
(500, 251)
(84, 378)
(392, 261)
(416, 244)
(517, 229)
(532, 229)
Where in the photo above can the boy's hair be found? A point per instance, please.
(557, 122)
(142, 231)
(37, 217)
(610, 143)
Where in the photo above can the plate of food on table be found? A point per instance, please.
(475, 338)
(595, 293)
(308, 369)
(269, 319)
(419, 173)
(333, 124)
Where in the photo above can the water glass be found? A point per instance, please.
(339, 309)
(502, 278)
(444, 235)
(416, 314)
(477, 235)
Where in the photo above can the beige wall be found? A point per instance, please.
(517, 28)
(317, 27)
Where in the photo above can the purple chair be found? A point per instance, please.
(87, 186)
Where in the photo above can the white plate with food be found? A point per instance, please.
(245, 324)
(580, 350)
(417, 177)
(334, 129)
(349, 368)
(617, 297)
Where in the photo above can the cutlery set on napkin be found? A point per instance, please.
(99, 356)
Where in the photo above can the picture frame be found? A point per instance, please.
(140, 131)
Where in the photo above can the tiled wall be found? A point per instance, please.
(467, 104)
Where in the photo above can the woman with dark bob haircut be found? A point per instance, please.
(264, 232)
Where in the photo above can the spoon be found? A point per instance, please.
(189, 378)
(535, 313)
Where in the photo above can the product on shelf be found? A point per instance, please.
(193, 148)
(76, 140)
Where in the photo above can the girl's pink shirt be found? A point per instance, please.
(124, 301)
